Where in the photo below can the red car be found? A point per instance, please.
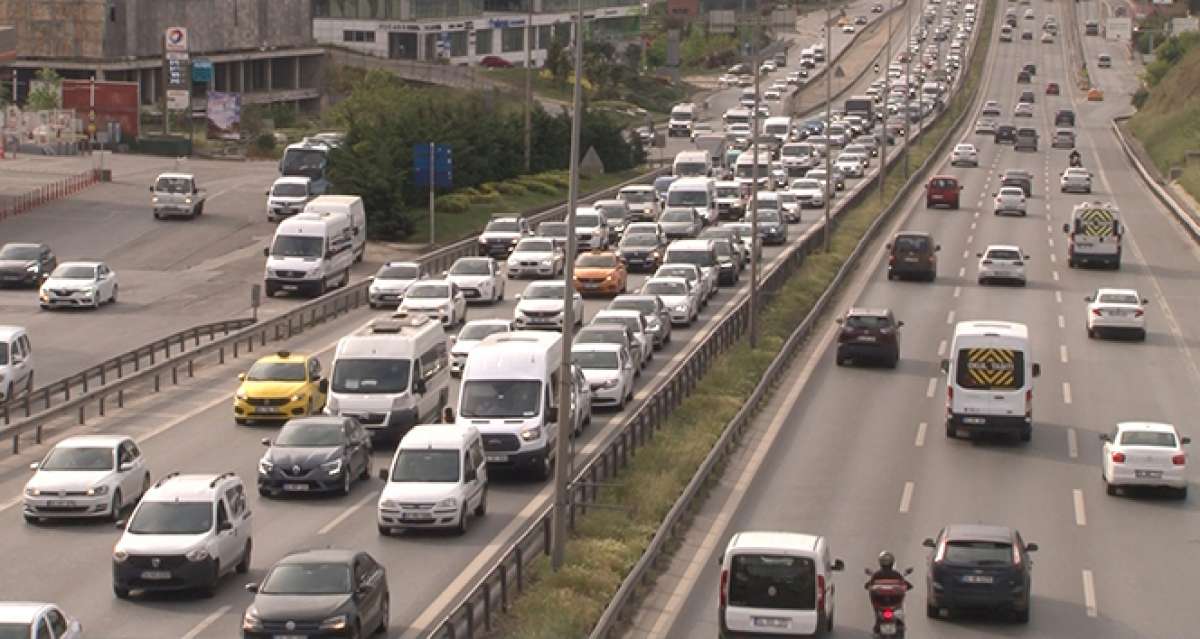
(942, 190)
(495, 62)
(1052, 88)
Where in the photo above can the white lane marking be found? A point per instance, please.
(1066, 392)
(921, 434)
(345, 514)
(1058, 296)
(950, 317)
(976, 213)
(906, 497)
(932, 386)
(1050, 241)
(206, 622)
(941, 348)
(1053, 258)
(1080, 513)
(962, 271)
(966, 254)
(1072, 444)
(970, 238)
(1062, 353)
(1049, 229)
(973, 224)
(1089, 593)
(1055, 275)
(957, 291)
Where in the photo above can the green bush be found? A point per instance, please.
(554, 178)
(537, 186)
(491, 197)
(488, 187)
(264, 143)
(456, 203)
(511, 188)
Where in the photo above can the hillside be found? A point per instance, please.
(1168, 124)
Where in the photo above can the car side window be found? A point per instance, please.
(134, 451)
(222, 514)
(26, 347)
(123, 454)
(239, 500)
(42, 631)
(314, 369)
(58, 624)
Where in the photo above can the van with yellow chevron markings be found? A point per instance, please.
(989, 379)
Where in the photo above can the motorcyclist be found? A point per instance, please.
(1075, 158)
(887, 570)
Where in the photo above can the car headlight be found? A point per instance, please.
(482, 241)
(446, 503)
(332, 467)
(199, 554)
(33, 492)
(265, 465)
(335, 623)
(610, 383)
(33, 268)
(241, 394)
(298, 397)
(97, 491)
(88, 289)
(120, 556)
(373, 290)
(515, 240)
(530, 434)
(250, 620)
(154, 199)
(513, 264)
(681, 308)
(187, 200)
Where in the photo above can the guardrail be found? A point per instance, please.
(1186, 220)
(58, 189)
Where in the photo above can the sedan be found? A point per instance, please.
(808, 192)
(541, 307)
(991, 108)
(315, 454)
(1003, 263)
(1052, 88)
(979, 566)
(24, 619)
(79, 284)
(682, 298)
(391, 281)
(1009, 199)
(1075, 180)
(1144, 454)
(658, 318)
(1116, 310)
(537, 257)
(609, 371)
(1047, 37)
(326, 592)
(86, 476)
(695, 277)
(479, 278)
(681, 222)
(439, 299)
(1023, 110)
(964, 155)
(985, 127)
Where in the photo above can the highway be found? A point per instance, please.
(859, 454)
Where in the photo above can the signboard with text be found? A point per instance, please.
(176, 69)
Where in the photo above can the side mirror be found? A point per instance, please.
(119, 524)
(241, 377)
(383, 474)
(268, 193)
(125, 467)
(1037, 369)
(1089, 298)
(888, 246)
(1145, 301)
(151, 189)
(370, 278)
(251, 587)
(928, 543)
(470, 475)
(839, 320)
(323, 386)
(445, 273)
(1031, 547)
(944, 365)
(838, 565)
(266, 441)
(1185, 440)
(960, 187)
(1066, 228)
(1026, 257)
(34, 465)
(552, 414)
(266, 251)
(937, 247)
(900, 323)
(1105, 437)
(994, 194)
(518, 297)
(908, 571)
(979, 255)
(224, 526)
(720, 559)
(418, 386)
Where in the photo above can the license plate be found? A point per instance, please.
(300, 487)
(591, 285)
(973, 420)
(866, 338)
(266, 409)
(415, 517)
(290, 287)
(911, 259)
(540, 320)
(289, 637)
(156, 575)
(771, 622)
(887, 628)
(469, 293)
(66, 503)
(497, 458)
(1083, 244)
(977, 579)
(1148, 474)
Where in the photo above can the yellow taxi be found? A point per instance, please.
(1095, 95)
(600, 273)
(279, 387)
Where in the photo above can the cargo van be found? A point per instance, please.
(437, 479)
(682, 117)
(352, 207)
(780, 127)
(392, 375)
(288, 196)
(1094, 235)
(698, 193)
(989, 379)
(692, 164)
(510, 393)
(309, 253)
(743, 170)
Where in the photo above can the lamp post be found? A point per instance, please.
(826, 231)
(883, 132)
(530, 32)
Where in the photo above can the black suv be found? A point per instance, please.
(979, 567)
(869, 333)
(1024, 77)
(1018, 177)
(912, 254)
(1005, 133)
(25, 264)
(1027, 97)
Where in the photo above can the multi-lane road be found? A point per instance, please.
(859, 455)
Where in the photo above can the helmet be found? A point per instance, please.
(886, 560)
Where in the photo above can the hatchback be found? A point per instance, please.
(1002, 263)
(912, 254)
(980, 567)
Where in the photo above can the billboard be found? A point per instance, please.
(722, 21)
(178, 80)
(224, 115)
(110, 101)
(1120, 29)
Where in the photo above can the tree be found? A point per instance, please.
(557, 61)
(46, 93)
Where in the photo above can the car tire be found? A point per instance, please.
(209, 590)
(269, 290)
(384, 614)
(115, 508)
(1181, 493)
(240, 421)
(544, 469)
(481, 509)
(384, 530)
(894, 361)
(29, 381)
(1022, 616)
(1091, 333)
(146, 483)
(951, 430)
(121, 593)
(112, 299)
(347, 483)
(1026, 433)
(243, 566)
(891, 276)
(932, 611)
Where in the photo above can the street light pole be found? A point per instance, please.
(754, 132)
(883, 132)
(908, 54)
(829, 57)
(558, 541)
(529, 34)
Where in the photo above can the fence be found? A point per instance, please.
(57, 190)
(1186, 220)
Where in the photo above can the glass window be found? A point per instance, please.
(82, 459)
(1118, 298)
(57, 623)
(310, 434)
(458, 44)
(426, 466)
(429, 291)
(772, 581)
(297, 246)
(276, 372)
(501, 398)
(19, 252)
(376, 375)
(483, 41)
(990, 368)
(978, 553)
(307, 579)
(588, 260)
(469, 266)
(172, 518)
(401, 272)
(544, 36)
(911, 243)
(74, 273)
(4, 352)
(1141, 438)
(596, 359)
(479, 331)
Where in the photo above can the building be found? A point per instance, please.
(686, 9)
(463, 31)
(263, 49)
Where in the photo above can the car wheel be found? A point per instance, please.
(932, 611)
(385, 531)
(114, 509)
(1109, 489)
(112, 299)
(481, 509)
(544, 469)
(29, 381)
(1091, 333)
(347, 483)
(145, 486)
(121, 593)
(385, 614)
(240, 421)
(1022, 616)
(209, 589)
(894, 361)
(243, 566)
(1181, 493)
(891, 276)
(1027, 433)
(951, 430)
(463, 525)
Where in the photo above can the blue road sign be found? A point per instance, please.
(443, 165)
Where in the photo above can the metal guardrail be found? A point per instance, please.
(1186, 220)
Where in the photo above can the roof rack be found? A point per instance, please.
(397, 322)
(218, 478)
(283, 354)
(164, 478)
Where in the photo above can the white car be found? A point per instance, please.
(793, 77)
(1002, 262)
(541, 306)
(1075, 179)
(1023, 110)
(1116, 310)
(738, 131)
(609, 371)
(390, 282)
(1009, 199)
(964, 155)
(469, 337)
(29, 619)
(772, 94)
(591, 228)
(682, 298)
(86, 476)
(848, 28)
(1047, 37)
(984, 126)
(536, 257)
(851, 166)
(991, 108)
(439, 299)
(698, 128)
(695, 275)
(809, 193)
(75, 284)
(727, 79)
(479, 279)
(1145, 454)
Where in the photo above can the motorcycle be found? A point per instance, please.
(887, 600)
(1075, 161)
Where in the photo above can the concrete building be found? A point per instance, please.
(263, 49)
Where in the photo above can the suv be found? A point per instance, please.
(869, 333)
(1005, 133)
(1064, 117)
(912, 254)
(186, 532)
(1027, 138)
(25, 264)
(979, 566)
(942, 190)
(502, 234)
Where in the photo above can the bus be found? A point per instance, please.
(310, 158)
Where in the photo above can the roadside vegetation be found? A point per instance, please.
(1168, 119)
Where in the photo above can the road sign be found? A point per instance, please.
(178, 99)
(443, 165)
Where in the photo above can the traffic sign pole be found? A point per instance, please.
(432, 189)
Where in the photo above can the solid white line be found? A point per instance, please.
(950, 317)
(1055, 274)
(957, 291)
(1089, 593)
(333, 523)
(1080, 514)
(941, 348)
(1066, 392)
(1062, 322)
(921, 434)
(207, 621)
(906, 498)
(932, 386)
(962, 270)
(1062, 353)
(1072, 444)
(1058, 296)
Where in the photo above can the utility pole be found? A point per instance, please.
(908, 54)
(558, 540)
(887, 85)
(530, 32)
(754, 132)
(829, 57)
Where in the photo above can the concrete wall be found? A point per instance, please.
(56, 28)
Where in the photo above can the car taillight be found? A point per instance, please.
(820, 592)
(892, 259)
(724, 586)
(1118, 458)
(986, 262)
(949, 396)
(1097, 312)
(1179, 460)
(1016, 555)
(1138, 312)
(888, 614)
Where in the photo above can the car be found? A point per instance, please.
(1005, 133)
(636, 323)
(600, 272)
(479, 279)
(680, 222)
(441, 300)
(536, 257)
(985, 127)
(1023, 110)
(851, 165)
(1104, 61)
(700, 128)
(1075, 180)
(86, 476)
(79, 285)
(727, 79)
(1027, 35)
(391, 281)
(868, 334)
(741, 251)
(642, 201)
(964, 155)
(860, 20)
(176, 194)
(592, 230)
(609, 371)
(1144, 454)
(979, 567)
(658, 318)
(617, 214)
(848, 28)
(1009, 199)
(642, 251)
(1064, 138)
(1026, 138)
(320, 592)
(772, 94)
(695, 276)
(27, 619)
(877, 8)
(615, 334)
(495, 62)
(794, 77)
(26, 264)
(17, 364)
(838, 178)
(1047, 37)
(1027, 97)
(1002, 262)
(1091, 27)
(681, 297)
(1024, 77)
(279, 387)
(942, 190)
(809, 192)
(1095, 95)
(501, 234)
(1116, 310)
(912, 254)
(186, 533)
(541, 307)
(1029, 15)
(326, 453)
(471, 334)
(771, 226)
(1020, 178)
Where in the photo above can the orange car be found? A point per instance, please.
(600, 272)
(1095, 95)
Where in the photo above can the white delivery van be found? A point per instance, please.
(777, 584)
(392, 375)
(699, 193)
(989, 379)
(510, 393)
(310, 252)
(692, 164)
(682, 117)
(736, 115)
(288, 196)
(352, 207)
(743, 170)
(780, 127)
(1094, 235)
(438, 479)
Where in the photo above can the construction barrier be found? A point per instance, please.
(58, 190)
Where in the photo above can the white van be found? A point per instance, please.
(437, 479)
(392, 375)
(510, 393)
(682, 117)
(736, 115)
(777, 584)
(780, 127)
(743, 169)
(16, 362)
(698, 193)
(989, 379)
(692, 164)
(352, 207)
(310, 252)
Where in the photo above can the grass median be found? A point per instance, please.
(608, 541)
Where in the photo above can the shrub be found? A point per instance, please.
(511, 188)
(456, 203)
(264, 143)
(486, 198)
(488, 187)
(537, 186)
(554, 178)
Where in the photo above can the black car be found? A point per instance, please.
(979, 567)
(728, 262)
(1018, 177)
(1005, 133)
(319, 593)
(1027, 97)
(869, 333)
(1030, 68)
(315, 454)
(912, 254)
(1023, 77)
(641, 251)
(25, 264)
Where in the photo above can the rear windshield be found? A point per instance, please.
(699, 258)
(979, 553)
(1118, 298)
(990, 368)
(943, 184)
(911, 244)
(772, 581)
(1140, 438)
(868, 322)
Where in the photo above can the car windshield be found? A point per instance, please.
(297, 246)
(552, 229)
(690, 169)
(868, 322)
(534, 246)
(276, 372)
(965, 148)
(612, 212)
(501, 398)
(74, 273)
(637, 197)
(587, 221)
(373, 375)
(699, 258)
(978, 553)
(639, 239)
(676, 215)
(19, 252)
(780, 582)
(643, 306)
(503, 226)
(65, 458)
(304, 162)
(426, 466)
(628, 322)
(676, 271)
(1003, 254)
(596, 334)
(470, 267)
(544, 292)
(728, 191)
(429, 291)
(172, 518)
(398, 273)
(1146, 438)
(687, 198)
(289, 189)
(3, 353)
(307, 579)
(805, 185)
(769, 216)
(303, 434)
(475, 331)
(596, 261)
(1118, 298)
(173, 185)
(595, 359)
(665, 288)
(16, 630)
